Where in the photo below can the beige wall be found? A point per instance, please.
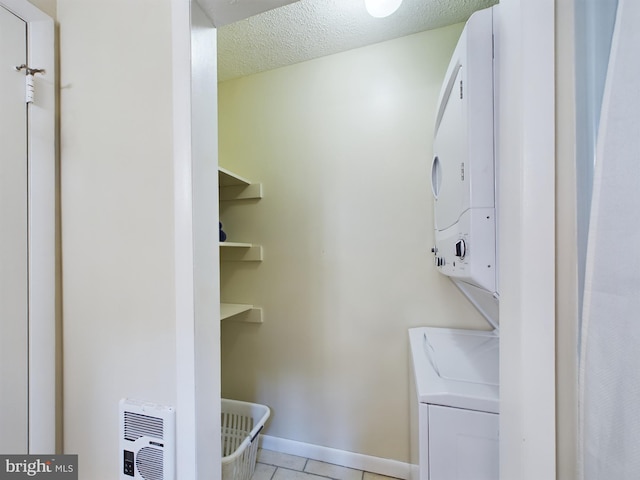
(47, 6)
(117, 221)
(342, 146)
(566, 241)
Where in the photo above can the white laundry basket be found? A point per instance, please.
(241, 423)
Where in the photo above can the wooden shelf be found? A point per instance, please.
(235, 187)
(240, 252)
(240, 313)
(236, 244)
(227, 178)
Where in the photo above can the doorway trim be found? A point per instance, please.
(526, 145)
(41, 148)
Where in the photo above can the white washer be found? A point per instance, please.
(454, 404)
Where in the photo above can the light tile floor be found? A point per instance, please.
(280, 466)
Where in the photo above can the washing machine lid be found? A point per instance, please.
(457, 368)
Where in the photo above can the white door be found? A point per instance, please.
(13, 238)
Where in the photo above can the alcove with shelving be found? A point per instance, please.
(235, 187)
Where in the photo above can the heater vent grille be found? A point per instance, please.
(137, 425)
(147, 441)
(149, 463)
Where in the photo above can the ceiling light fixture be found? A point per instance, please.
(381, 8)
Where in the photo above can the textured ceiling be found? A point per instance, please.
(309, 29)
(223, 12)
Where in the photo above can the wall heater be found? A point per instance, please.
(147, 441)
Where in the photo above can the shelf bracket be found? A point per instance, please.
(240, 192)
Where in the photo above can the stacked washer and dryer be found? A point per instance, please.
(455, 381)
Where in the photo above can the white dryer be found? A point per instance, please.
(463, 170)
(455, 397)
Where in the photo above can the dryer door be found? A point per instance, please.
(449, 183)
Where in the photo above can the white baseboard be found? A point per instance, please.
(382, 466)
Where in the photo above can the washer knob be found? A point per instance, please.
(461, 249)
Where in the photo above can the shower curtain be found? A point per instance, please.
(610, 354)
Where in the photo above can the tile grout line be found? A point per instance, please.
(304, 470)
(310, 474)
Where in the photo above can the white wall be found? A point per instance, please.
(117, 222)
(342, 146)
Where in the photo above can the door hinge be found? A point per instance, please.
(29, 80)
(461, 95)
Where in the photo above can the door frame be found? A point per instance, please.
(195, 160)
(527, 236)
(41, 154)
